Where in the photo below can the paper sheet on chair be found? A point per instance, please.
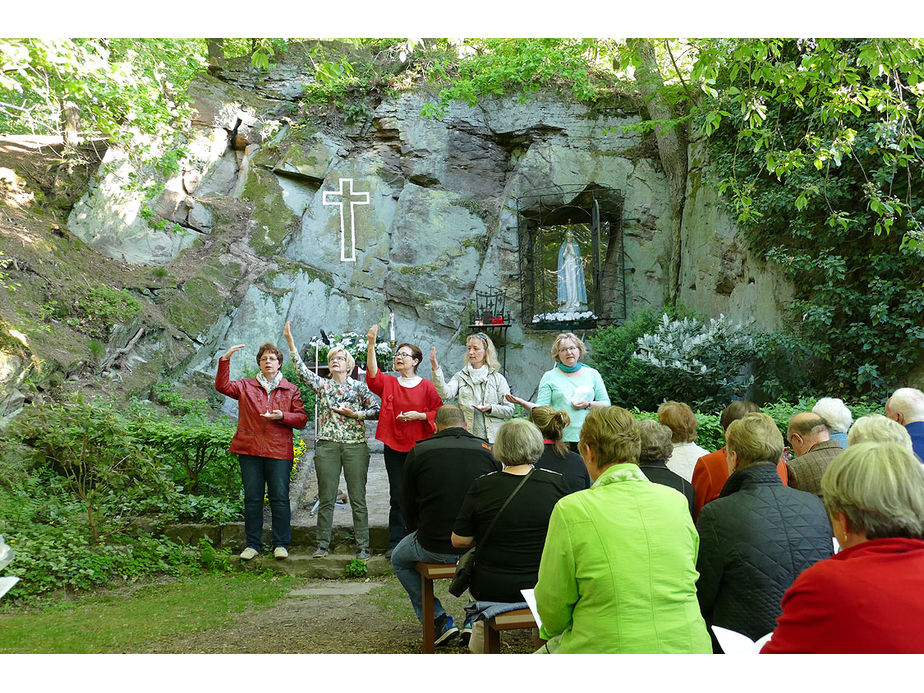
(733, 642)
(529, 596)
(6, 583)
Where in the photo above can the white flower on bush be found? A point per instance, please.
(569, 316)
(719, 350)
(351, 342)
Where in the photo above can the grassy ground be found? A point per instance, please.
(126, 620)
(236, 613)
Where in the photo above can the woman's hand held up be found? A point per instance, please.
(231, 351)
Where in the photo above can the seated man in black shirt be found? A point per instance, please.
(437, 474)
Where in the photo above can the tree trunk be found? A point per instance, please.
(216, 48)
(70, 116)
(672, 149)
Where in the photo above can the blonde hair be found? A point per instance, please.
(490, 351)
(612, 433)
(678, 417)
(518, 441)
(556, 345)
(350, 361)
(880, 489)
(754, 438)
(876, 428)
(552, 423)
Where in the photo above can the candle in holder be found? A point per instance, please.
(391, 327)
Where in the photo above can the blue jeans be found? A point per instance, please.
(257, 474)
(406, 554)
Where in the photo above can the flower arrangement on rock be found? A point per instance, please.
(353, 343)
(564, 316)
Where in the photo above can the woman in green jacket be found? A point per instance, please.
(618, 572)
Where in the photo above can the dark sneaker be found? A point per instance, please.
(466, 633)
(445, 630)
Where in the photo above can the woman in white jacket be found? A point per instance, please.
(479, 387)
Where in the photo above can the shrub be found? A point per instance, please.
(630, 382)
(48, 529)
(89, 444)
(707, 364)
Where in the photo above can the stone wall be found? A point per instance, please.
(441, 221)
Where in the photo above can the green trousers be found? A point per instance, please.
(353, 459)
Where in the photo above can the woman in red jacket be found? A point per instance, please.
(269, 407)
(869, 597)
(409, 405)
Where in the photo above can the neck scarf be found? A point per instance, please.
(569, 369)
(477, 375)
(267, 385)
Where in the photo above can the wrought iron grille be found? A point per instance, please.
(593, 216)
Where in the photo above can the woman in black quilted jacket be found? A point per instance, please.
(757, 536)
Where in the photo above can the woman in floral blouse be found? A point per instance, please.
(343, 405)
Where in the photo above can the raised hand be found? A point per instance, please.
(372, 334)
(231, 351)
(433, 363)
(287, 333)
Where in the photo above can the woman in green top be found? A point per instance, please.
(618, 571)
(571, 386)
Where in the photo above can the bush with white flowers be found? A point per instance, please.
(708, 363)
(353, 343)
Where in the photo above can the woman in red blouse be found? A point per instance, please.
(409, 405)
(868, 597)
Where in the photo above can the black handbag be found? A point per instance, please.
(466, 566)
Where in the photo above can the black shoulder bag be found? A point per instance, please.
(463, 577)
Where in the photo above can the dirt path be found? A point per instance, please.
(331, 617)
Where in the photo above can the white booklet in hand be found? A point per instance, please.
(733, 642)
(529, 596)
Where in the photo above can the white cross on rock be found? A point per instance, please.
(354, 198)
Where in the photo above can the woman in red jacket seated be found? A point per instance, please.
(268, 408)
(869, 597)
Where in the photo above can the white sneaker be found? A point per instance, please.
(280, 553)
(248, 553)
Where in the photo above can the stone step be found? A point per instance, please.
(332, 566)
(231, 535)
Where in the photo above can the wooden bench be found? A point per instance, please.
(509, 620)
(428, 573)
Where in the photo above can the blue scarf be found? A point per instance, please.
(569, 369)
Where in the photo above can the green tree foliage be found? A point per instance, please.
(816, 148)
(120, 87)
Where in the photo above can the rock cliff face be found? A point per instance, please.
(438, 213)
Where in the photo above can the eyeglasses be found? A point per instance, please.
(567, 349)
(404, 355)
(337, 358)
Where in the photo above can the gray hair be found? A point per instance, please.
(518, 441)
(909, 402)
(834, 412)
(876, 428)
(880, 489)
(656, 441)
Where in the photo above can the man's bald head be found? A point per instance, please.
(805, 430)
